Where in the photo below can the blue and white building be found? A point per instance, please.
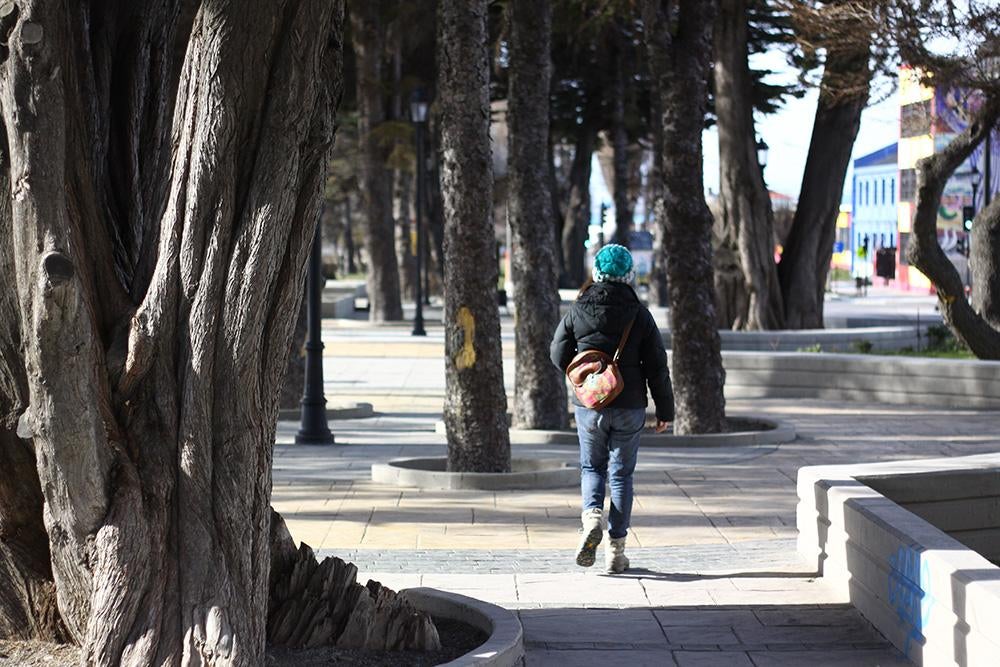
(873, 206)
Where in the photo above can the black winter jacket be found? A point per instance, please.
(596, 321)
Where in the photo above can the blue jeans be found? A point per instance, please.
(609, 442)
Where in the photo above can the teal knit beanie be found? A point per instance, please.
(613, 263)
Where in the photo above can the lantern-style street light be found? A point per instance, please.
(762, 149)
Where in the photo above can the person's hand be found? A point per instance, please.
(661, 426)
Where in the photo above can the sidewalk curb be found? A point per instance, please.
(505, 646)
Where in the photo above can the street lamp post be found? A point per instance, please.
(974, 179)
(418, 114)
(314, 429)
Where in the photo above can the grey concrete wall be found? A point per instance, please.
(936, 600)
(853, 378)
(965, 505)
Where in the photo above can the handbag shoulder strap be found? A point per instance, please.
(621, 343)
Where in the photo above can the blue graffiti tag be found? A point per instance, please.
(909, 585)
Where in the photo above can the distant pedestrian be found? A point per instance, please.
(609, 437)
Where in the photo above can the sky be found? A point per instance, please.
(787, 133)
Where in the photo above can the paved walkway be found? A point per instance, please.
(717, 580)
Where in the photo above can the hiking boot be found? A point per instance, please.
(615, 560)
(593, 530)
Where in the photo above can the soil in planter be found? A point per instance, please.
(457, 639)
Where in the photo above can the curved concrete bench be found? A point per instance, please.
(505, 646)
(940, 383)
(913, 545)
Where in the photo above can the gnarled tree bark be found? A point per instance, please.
(165, 167)
(540, 390)
(979, 330)
(475, 411)
(679, 40)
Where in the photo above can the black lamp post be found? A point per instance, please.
(314, 429)
(762, 149)
(975, 178)
(418, 114)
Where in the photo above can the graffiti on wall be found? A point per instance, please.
(909, 593)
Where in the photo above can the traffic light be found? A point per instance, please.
(968, 213)
(962, 246)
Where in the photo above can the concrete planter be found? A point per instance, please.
(745, 431)
(346, 411)
(505, 646)
(429, 473)
(906, 541)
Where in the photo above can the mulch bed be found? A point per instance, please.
(457, 639)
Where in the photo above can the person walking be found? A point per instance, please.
(609, 438)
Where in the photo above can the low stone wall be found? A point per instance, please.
(933, 597)
(894, 337)
(940, 383)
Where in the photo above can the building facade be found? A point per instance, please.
(929, 118)
(873, 207)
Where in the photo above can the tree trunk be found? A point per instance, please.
(405, 251)
(979, 330)
(435, 204)
(679, 42)
(475, 411)
(805, 260)
(368, 30)
(658, 292)
(540, 391)
(349, 248)
(159, 243)
(984, 258)
(746, 214)
(619, 140)
(574, 231)
(555, 208)
(28, 608)
(402, 190)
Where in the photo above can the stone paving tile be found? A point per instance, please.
(608, 627)
(694, 636)
(598, 658)
(712, 659)
(706, 617)
(577, 588)
(887, 657)
(648, 562)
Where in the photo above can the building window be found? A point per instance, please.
(892, 191)
(883, 191)
(915, 119)
(907, 185)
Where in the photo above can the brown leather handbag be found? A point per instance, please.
(595, 376)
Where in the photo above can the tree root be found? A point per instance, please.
(316, 603)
